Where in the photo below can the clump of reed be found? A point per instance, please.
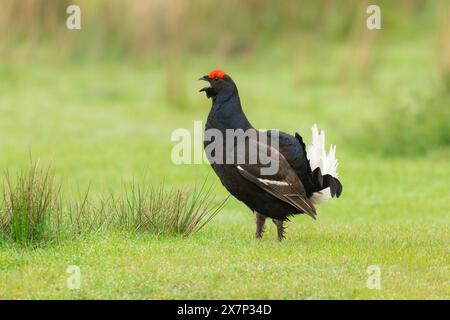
(33, 210)
(31, 206)
(161, 211)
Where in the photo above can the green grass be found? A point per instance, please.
(386, 218)
(30, 207)
(105, 125)
(33, 212)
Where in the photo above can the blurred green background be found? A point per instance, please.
(118, 87)
(100, 104)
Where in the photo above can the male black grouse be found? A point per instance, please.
(306, 175)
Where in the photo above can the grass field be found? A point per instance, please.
(103, 125)
(324, 259)
(99, 105)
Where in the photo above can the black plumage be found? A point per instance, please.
(287, 192)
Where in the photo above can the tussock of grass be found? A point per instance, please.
(160, 211)
(31, 209)
(33, 212)
(84, 217)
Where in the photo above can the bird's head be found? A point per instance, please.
(220, 83)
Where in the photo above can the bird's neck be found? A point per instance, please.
(227, 113)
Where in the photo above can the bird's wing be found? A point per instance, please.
(284, 184)
(294, 150)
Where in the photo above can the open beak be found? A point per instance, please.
(204, 78)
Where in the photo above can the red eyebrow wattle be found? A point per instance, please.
(216, 73)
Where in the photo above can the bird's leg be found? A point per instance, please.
(280, 228)
(260, 220)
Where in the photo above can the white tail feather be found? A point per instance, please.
(317, 156)
(321, 196)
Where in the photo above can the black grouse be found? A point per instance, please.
(304, 176)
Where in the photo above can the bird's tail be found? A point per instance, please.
(324, 167)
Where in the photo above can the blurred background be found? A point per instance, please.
(101, 102)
